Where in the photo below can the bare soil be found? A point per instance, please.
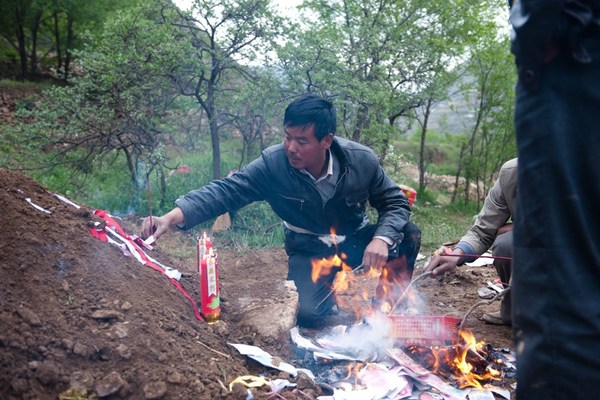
(75, 312)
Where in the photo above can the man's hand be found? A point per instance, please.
(158, 225)
(376, 254)
(439, 265)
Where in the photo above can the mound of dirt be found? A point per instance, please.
(80, 320)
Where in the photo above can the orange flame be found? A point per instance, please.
(468, 377)
(465, 362)
(325, 266)
(353, 372)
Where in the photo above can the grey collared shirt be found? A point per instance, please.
(326, 184)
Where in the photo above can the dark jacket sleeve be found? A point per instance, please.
(223, 195)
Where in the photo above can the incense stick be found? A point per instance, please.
(150, 207)
(213, 350)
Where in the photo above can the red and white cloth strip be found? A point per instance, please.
(131, 245)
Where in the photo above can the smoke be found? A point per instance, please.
(363, 341)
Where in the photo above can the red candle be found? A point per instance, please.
(208, 270)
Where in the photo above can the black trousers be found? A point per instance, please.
(303, 249)
(556, 274)
(502, 247)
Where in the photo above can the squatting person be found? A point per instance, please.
(492, 230)
(318, 184)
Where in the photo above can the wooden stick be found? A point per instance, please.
(213, 350)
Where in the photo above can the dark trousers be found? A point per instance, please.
(556, 277)
(502, 247)
(303, 249)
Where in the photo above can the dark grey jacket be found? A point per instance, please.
(294, 197)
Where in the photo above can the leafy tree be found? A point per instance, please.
(490, 90)
(115, 108)
(224, 36)
(68, 20)
(377, 58)
(51, 29)
(438, 91)
(255, 112)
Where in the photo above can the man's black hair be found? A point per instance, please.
(314, 110)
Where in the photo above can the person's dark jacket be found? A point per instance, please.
(544, 28)
(295, 199)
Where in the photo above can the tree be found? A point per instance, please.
(255, 111)
(20, 20)
(376, 58)
(490, 89)
(223, 37)
(116, 106)
(51, 29)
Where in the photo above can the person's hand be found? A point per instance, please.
(376, 254)
(153, 226)
(440, 264)
(158, 225)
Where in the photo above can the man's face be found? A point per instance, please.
(303, 149)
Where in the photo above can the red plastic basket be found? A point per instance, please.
(424, 330)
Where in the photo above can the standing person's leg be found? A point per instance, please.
(556, 277)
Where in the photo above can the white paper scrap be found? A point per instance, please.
(330, 356)
(173, 273)
(494, 287)
(264, 358)
(301, 341)
(65, 200)
(37, 207)
(279, 384)
(478, 394)
(480, 262)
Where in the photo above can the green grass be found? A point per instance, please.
(440, 223)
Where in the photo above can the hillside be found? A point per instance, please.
(81, 320)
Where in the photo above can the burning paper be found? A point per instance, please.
(396, 374)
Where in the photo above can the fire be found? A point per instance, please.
(468, 363)
(327, 266)
(345, 277)
(353, 372)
